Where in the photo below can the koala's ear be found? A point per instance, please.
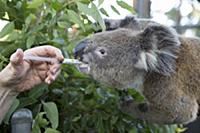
(111, 24)
(128, 22)
(160, 47)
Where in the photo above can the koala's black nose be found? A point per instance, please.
(79, 49)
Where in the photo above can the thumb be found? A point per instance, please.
(17, 57)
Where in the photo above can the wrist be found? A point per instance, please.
(7, 96)
(5, 77)
(8, 80)
(8, 91)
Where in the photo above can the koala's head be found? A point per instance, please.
(119, 57)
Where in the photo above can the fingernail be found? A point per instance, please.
(19, 49)
(54, 77)
(47, 81)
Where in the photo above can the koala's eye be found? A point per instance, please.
(102, 51)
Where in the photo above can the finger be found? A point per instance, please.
(17, 57)
(56, 74)
(54, 68)
(48, 51)
(51, 77)
(47, 80)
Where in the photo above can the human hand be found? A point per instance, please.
(22, 75)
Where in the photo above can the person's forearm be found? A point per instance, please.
(7, 96)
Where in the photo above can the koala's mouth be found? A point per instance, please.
(84, 67)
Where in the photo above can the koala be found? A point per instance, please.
(151, 58)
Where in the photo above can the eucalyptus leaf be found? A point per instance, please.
(35, 3)
(100, 2)
(42, 122)
(50, 130)
(74, 17)
(125, 6)
(136, 95)
(100, 126)
(133, 130)
(2, 8)
(114, 9)
(14, 35)
(56, 5)
(7, 29)
(30, 41)
(37, 91)
(93, 12)
(103, 11)
(36, 128)
(11, 110)
(30, 18)
(25, 101)
(63, 24)
(52, 113)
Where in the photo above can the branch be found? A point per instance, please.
(187, 27)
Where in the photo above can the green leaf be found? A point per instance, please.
(103, 11)
(52, 113)
(125, 6)
(25, 101)
(35, 3)
(114, 119)
(14, 35)
(84, 8)
(63, 24)
(114, 9)
(42, 122)
(100, 2)
(30, 41)
(37, 91)
(99, 125)
(93, 12)
(85, 1)
(18, 5)
(7, 29)
(172, 14)
(9, 49)
(30, 18)
(2, 9)
(50, 130)
(96, 15)
(133, 130)
(11, 110)
(36, 128)
(75, 119)
(136, 95)
(36, 29)
(58, 41)
(180, 130)
(56, 5)
(74, 17)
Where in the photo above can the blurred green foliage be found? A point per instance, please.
(74, 103)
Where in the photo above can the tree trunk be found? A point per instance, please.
(142, 8)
